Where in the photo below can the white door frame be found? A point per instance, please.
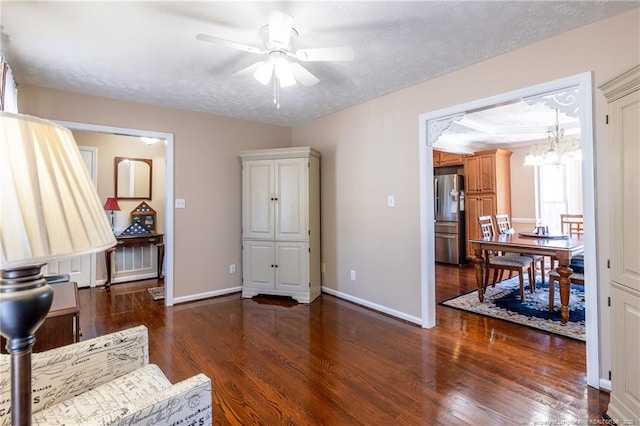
(94, 178)
(427, 251)
(169, 150)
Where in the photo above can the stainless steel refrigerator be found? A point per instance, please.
(449, 218)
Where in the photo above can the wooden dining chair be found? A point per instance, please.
(574, 278)
(504, 227)
(572, 224)
(510, 262)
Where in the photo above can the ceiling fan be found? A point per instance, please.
(279, 37)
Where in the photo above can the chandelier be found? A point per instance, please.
(558, 151)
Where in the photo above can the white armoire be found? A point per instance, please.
(623, 96)
(281, 223)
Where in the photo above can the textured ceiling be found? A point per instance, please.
(147, 51)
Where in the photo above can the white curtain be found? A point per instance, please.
(8, 88)
(558, 191)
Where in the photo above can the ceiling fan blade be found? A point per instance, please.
(216, 40)
(280, 25)
(248, 70)
(303, 75)
(344, 53)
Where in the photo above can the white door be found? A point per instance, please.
(292, 202)
(625, 257)
(625, 190)
(81, 269)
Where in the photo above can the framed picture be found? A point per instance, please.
(144, 216)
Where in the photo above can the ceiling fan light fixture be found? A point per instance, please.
(264, 72)
(279, 37)
(284, 73)
(149, 141)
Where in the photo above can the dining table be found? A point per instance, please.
(559, 247)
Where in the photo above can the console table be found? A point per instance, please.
(136, 241)
(61, 326)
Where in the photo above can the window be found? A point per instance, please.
(558, 189)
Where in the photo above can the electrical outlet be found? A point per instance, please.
(323, 268)
(181, 203)
(353, 275)
(232, 268)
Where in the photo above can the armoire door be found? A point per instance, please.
(258, 267)
(292, 271)
(291, 206)
(258, 199)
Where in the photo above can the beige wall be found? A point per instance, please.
(207, 174)
(523, 204)
(371, 151)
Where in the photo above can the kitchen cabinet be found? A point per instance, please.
(281, 223)
(441, 159)
(487, 171)
(487, 189)
(476, 206)
(623, 96)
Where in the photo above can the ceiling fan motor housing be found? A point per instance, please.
(272, 45)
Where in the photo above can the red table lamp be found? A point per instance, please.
(111, 205)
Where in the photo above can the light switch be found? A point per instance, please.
(391, 201)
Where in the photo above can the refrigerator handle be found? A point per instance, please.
(435, 196)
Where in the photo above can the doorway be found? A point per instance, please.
(169, 190)
(431, 124)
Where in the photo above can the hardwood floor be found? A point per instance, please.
(273, 361)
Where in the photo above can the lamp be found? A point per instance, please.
(111, 205)
(49, 210)
(558, 150)
(278, 68)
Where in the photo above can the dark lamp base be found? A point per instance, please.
(25, 300)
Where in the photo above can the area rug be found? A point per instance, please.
(503, 302)
(156, 292)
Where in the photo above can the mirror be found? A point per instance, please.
(133, 178)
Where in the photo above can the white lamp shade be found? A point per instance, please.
(49, 208)
(284, 73)
(263, 72)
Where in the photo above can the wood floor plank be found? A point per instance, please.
(274, 361)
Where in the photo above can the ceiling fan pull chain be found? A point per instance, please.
(276, 90)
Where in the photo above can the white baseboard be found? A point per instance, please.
(374, 306)
(206, 295)
(147, 276)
